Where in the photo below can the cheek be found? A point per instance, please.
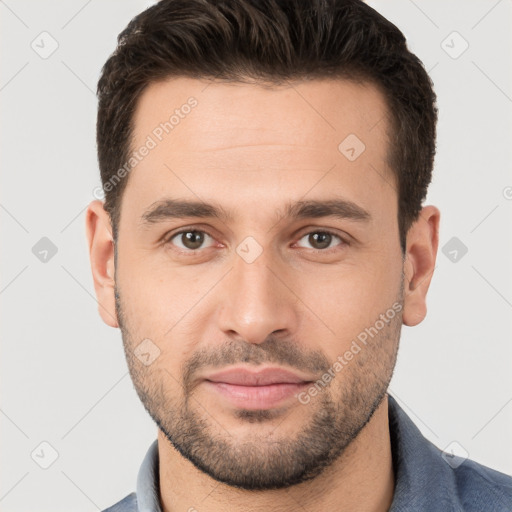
(163, 307)
(341, 305)
(153, 294)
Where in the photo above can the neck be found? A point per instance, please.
(361, 480)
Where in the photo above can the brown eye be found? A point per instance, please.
(322, 240)
(191, 240)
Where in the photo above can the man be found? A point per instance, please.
(261, 243)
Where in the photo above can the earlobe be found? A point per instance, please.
(419, 265)
(101, 254)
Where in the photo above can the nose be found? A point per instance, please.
(257, 300)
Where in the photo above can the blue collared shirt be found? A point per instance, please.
(426, 479)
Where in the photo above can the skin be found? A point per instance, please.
(251, 149)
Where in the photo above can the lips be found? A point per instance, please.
(247, 389)
(265, 377)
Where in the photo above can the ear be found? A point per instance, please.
(419, 264)
(101, 253)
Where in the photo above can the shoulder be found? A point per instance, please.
(430, 479)
(127, 504)
(482, 488)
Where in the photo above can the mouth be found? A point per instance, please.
(256, 390)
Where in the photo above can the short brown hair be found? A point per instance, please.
(271, 41)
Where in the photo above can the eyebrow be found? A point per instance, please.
(168, 208)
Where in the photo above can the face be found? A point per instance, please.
(260, 326)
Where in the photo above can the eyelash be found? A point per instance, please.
(194, 252)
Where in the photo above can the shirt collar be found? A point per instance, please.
(423, 480)
(148, 482)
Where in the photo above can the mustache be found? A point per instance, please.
(272, 350)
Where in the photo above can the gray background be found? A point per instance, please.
(63, 374)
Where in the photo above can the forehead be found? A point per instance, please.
(229, 138)
(268, 113)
